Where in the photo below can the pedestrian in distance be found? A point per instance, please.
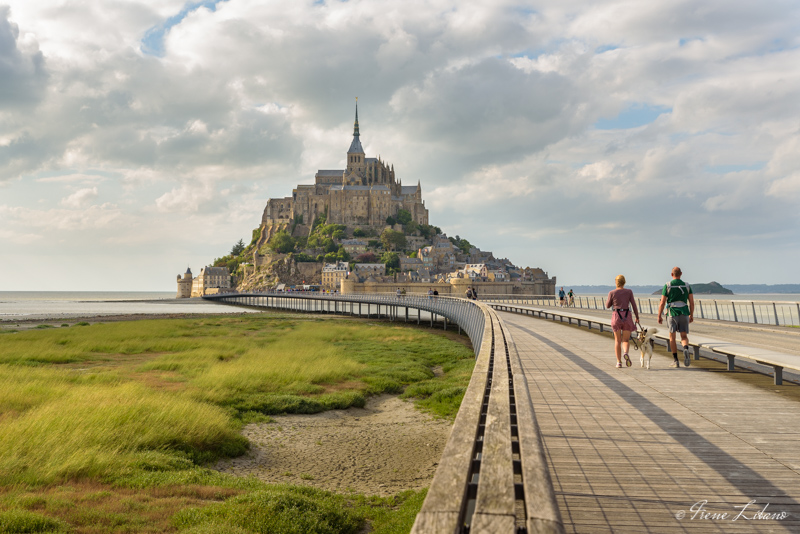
(468, 293)
(571, 296)
(677, 296)
(621, 301)
(399, 293)
(474, 293)
(562, 297)
(430, 293)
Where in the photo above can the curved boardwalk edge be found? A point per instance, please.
(493, 476)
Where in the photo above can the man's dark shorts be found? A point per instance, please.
(678, 323)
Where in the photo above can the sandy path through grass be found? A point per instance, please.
(381, 449)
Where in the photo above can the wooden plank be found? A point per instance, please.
(492, 524)
(541, 509)
(496, 481)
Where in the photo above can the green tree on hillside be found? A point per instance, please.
(403, 217)
(391, 260)
(462, 244)
(282, 242)
(393, 240)
(238, 248)
(429, 231)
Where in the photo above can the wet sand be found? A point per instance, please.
(383, 449)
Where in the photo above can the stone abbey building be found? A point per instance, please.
(362, 195)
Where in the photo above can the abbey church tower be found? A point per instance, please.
(356, 174)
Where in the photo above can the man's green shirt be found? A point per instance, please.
(677, 291)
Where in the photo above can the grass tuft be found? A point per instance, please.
(22, 521)
(285, 509)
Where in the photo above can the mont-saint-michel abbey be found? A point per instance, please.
(359, 230)
(366, 193)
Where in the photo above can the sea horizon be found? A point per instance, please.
(66, 305)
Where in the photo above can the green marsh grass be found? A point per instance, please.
(135, 410)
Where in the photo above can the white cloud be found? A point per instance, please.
(80, 198)
(191, 198)
(492, 105)
(95, 217)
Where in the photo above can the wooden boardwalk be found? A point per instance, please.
(632, 450)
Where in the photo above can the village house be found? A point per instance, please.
(354, 246)
(332, 274)
(210, 281)
(364, 270)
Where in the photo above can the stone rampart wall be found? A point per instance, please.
(456, 287)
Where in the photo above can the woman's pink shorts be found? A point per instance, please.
(618, 323)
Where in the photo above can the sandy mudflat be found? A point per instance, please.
(382, 449)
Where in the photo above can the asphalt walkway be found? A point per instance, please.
(664, 450)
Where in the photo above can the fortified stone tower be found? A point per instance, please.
(185, 285)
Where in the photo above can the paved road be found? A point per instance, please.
(629, 450)
(779, 338)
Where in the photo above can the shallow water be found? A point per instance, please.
(21, 305)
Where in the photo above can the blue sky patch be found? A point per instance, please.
(685, 40)
(153, 40)
(605, 48)
(725, 169)
(634, 116)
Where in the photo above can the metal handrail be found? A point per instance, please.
(778, 313)
(778, 361)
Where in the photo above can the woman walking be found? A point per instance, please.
(621, 300)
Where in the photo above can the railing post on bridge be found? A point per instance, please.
(716, 309)
(775, 310)
(735, 317)
(700, 305)
(753, 304)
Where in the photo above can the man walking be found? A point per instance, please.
(562, 297)
(678, 298)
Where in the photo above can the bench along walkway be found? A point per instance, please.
(778, 361)
(659, 450)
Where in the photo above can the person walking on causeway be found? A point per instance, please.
(621, 301)
(678, 298)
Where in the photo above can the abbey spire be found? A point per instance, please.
(355, 146)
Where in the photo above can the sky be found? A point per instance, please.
(588, 138)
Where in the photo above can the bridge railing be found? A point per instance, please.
(701, 345)
(493, 476)
(467, 315)
(776, 313)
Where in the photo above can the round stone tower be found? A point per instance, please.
(185, 285)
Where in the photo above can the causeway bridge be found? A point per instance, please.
(551, 437)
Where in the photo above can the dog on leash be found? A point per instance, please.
(646, 343)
